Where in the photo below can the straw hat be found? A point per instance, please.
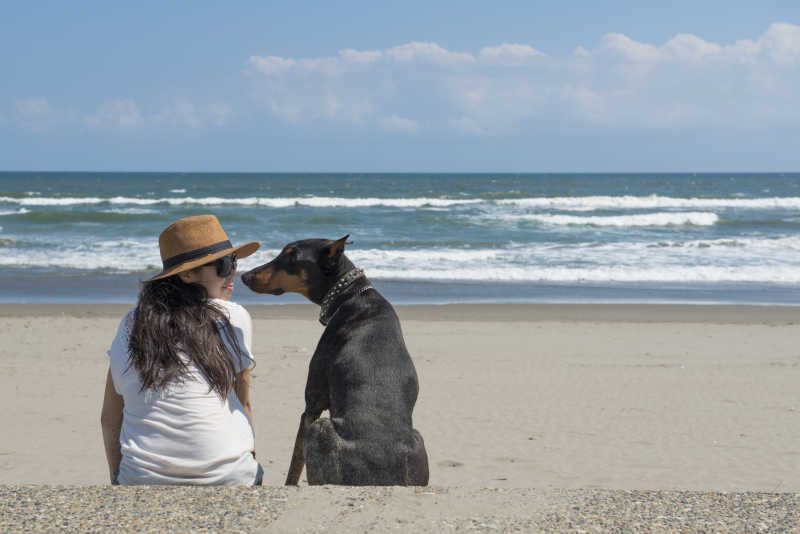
(194, 241)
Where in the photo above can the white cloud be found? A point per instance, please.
(580, 52)
(686, 82)
(585, 103)
(619, 83)
(36, 114)
(467, 125)
(690, 48)
(271, 65)
(399, 124)
(33, 108)
(184, 113)
(361, 57)
(326, 66)
(509, 54)
(125, 115)
(630, 49)
(431, 52)
(121, 114)
(276, 66)
(782, 43)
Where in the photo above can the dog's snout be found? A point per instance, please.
(248, 277)
(259, 279)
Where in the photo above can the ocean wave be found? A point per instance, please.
(57, 217)
(645, 219)
(123, 256)
(722, 260)
(316, 202)
(13, 212)
(49, 201)
(674, 274)
(740, 260)
(791, 243)
(489, 272)
(126, 244)
(76, 260)
(587, 203)
(590, 203)
(130, 211)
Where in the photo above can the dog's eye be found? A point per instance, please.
(290, 253)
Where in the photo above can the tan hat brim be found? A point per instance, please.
(242, 251)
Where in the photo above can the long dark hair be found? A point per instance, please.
(174, 318)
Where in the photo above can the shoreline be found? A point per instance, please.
(43, 287)
(481, 312)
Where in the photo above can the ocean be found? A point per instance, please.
(728, 238)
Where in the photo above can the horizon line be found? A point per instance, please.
(117, 171)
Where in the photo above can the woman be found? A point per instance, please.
(177, 402)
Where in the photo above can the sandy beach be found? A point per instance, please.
(513, 398)
(617, 396)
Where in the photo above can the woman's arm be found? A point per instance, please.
(111, 422)
(242, 387)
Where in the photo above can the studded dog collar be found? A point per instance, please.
(343, 283)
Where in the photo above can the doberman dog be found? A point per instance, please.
(360, 371)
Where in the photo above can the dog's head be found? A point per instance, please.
(307, 267)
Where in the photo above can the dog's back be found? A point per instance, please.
(361, 372)
(375, 384)
(373, 390)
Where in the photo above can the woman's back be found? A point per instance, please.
(184, 433)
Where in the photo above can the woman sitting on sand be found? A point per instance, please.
(177, 402)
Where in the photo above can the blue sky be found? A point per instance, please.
(414, 86)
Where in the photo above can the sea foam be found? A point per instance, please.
(740, 260)
(321, 202)
(587, 203)
(646, 219)
(20, 211)
(674, 274)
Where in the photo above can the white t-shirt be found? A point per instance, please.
(184, 433)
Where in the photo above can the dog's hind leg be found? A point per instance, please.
(417, 462)
(298, 453)
(323, 449)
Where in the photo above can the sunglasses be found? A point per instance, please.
(224, 265)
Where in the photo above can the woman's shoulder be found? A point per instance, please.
(127, 320)
(236, 312)
(229, 305)
(119, 346)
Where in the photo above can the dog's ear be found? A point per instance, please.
(336, 249)
(333, 253)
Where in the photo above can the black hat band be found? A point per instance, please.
(195, 254)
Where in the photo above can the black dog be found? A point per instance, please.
(361, 372)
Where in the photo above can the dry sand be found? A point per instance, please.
(541, 398)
